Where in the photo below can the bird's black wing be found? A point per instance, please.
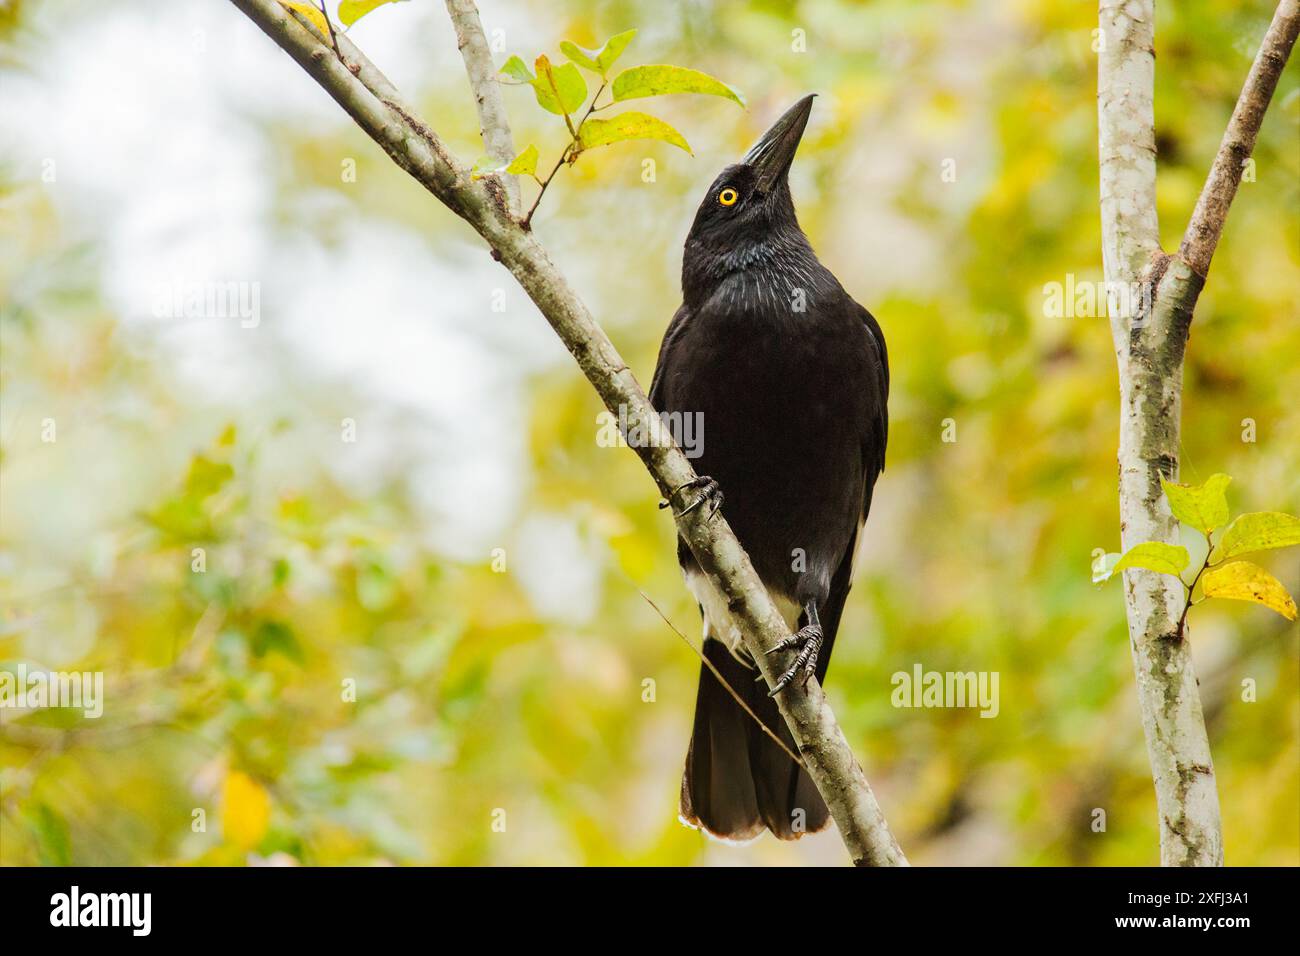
(679, 320)
(877, 434)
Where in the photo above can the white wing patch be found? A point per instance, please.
(718, 622)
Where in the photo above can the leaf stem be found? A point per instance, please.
(565, 155)
(528, 219)
(334, 40)
(593, 107)
(1187, 605)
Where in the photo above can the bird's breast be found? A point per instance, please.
(777, 398)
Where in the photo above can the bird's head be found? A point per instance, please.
(751, 199)
(746, 230)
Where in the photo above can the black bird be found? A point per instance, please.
(789, 378)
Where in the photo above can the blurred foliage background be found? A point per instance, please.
(396, 638)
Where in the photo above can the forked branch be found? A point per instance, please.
(368, 97)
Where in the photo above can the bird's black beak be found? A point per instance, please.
(772, 155)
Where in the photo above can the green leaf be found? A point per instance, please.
(614, 48)
(560, 89)
(1104, 567)
(206, 477)
(517, 69)
(1204, 507)
(1244, 581)
(598, 61)
(1154, 556)
(580, 55)
(1258, 531)
(632, 125)
(350, 11)
(525, 164)
(276, 637)
(658, 79)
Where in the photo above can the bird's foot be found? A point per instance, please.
(809, 641)
(710, 491)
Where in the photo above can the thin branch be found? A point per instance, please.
(735, 695)
(1238, 143)
(329, 24)
(1126, 139)
(1150, 357)
(528, 219)
(371, 101)
(591, 108)
(1182, 620)
(492, 118)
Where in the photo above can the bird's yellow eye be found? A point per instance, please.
(728, 197)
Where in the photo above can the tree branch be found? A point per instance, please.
(1150, 361)
(1150, 357)
(1126, 138)
(1178, 747)
(1220, 188)
(370, 100)
(492, 118)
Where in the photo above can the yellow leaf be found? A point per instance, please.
(1154, 556)
(312, 13)
(629, 125)
(1204, 506)
(350, 11)
(1258, 531)
(1244, 581)
(245, 810)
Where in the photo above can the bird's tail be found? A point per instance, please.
(737, 779)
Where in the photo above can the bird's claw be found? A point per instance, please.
(709, 491)
(809, 640)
